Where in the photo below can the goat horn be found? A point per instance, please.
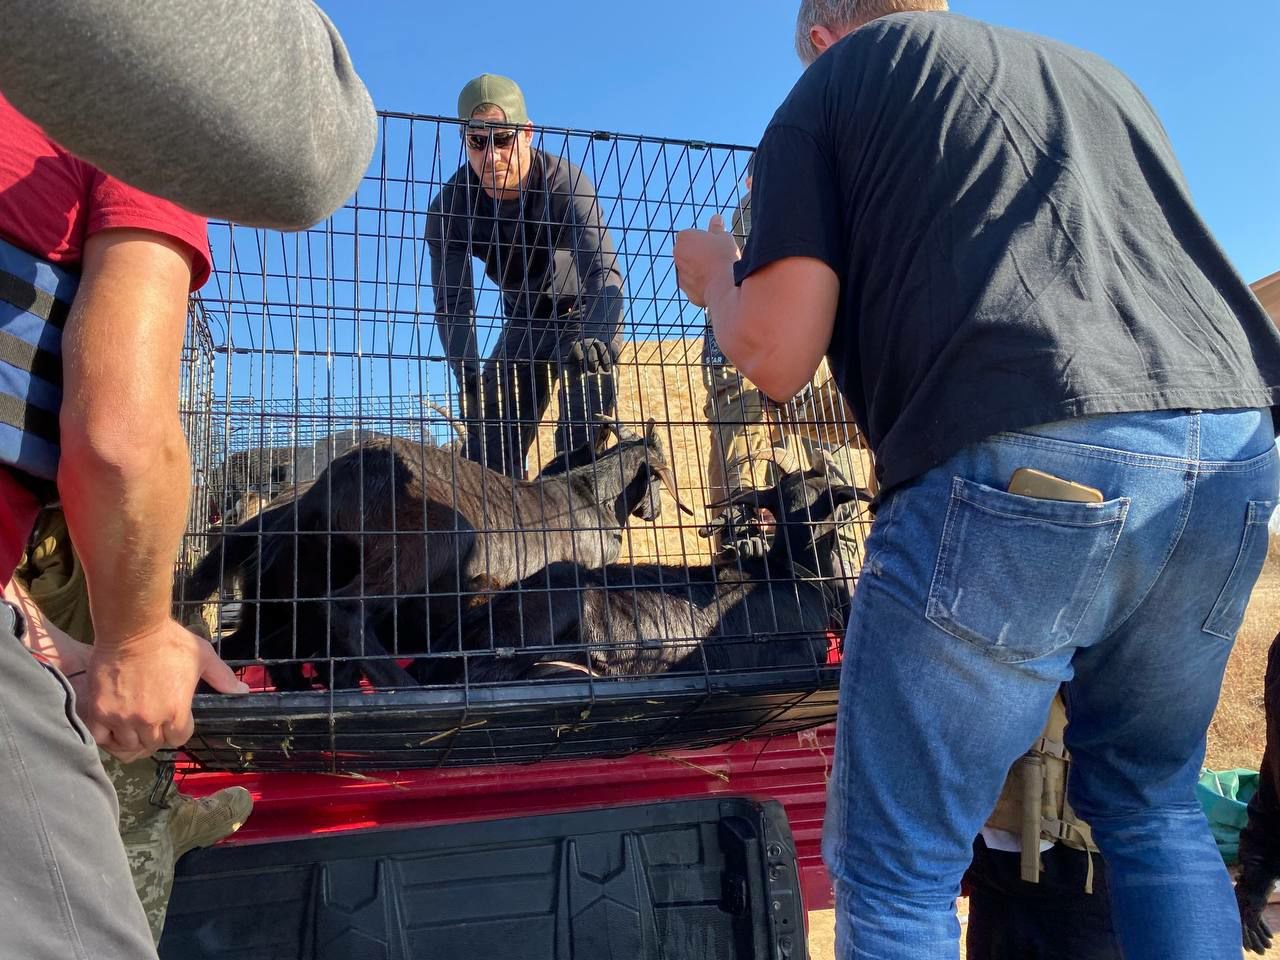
(785, 458)
(741, 495)
(458, 428)
(601, 437)
(668, 479)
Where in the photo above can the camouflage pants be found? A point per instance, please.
(140, 787)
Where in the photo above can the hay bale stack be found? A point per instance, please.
(662, 379)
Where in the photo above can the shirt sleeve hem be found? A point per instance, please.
(761, 259)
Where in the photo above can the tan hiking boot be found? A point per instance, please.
(201, 822)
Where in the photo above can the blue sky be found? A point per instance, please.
(716, 69)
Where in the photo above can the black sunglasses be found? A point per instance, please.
(480, 141)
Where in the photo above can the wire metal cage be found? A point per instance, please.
(424, 551)
(195, 401)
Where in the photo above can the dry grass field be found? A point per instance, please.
(1237, 733)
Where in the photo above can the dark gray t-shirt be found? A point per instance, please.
(547, 250)
(1014, 240)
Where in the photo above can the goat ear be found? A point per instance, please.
(668, 479)
(844, 493)
(651, 430)
(620, 430)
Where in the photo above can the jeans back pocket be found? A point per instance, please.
(1228, 612)
(1014, 575)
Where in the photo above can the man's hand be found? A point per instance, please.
(139, 691)
(591, 355)
(704, 260)
(1252, 890)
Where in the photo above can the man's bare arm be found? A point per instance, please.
(777, 326)
(124, 479)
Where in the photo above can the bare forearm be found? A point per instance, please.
(124, 476)
(777, 325)
(127, 506)
(748, 346)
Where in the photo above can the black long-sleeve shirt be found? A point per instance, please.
(547, 250)
(1260, 839)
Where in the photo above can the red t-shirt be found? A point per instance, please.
(50, 203)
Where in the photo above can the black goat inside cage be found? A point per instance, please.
(475, 486)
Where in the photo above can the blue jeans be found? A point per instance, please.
(974, 605)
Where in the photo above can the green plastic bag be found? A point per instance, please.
(1224, 797)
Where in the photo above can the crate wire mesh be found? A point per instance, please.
(195, 401)
(324, 344)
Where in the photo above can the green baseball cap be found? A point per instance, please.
(502, 92)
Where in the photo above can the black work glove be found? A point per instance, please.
(592, 355)
(1252, 890)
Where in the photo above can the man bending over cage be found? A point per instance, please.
(534, 220)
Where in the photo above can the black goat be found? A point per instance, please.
(233, 548)
(394, 537)
(232, 566)
(625, 619)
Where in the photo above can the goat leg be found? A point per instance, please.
(353, 636)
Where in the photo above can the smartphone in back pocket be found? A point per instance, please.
(1028, 482)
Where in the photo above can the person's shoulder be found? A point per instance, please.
(944, 30)
(453, 193)
(562, 175)
(114, 204)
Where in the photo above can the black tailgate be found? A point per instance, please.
(711, 879)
